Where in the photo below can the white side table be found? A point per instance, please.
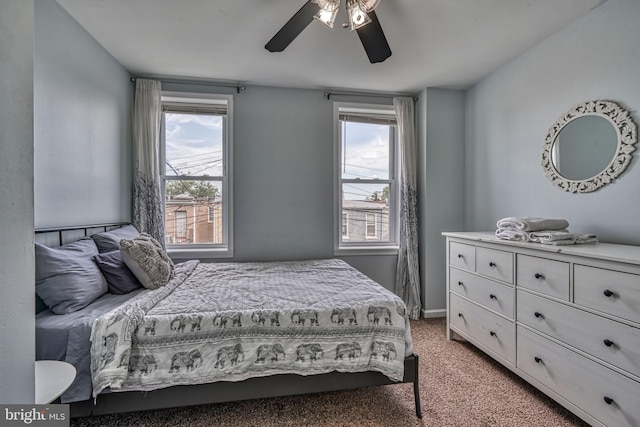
(53, 378)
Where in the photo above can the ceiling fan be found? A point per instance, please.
(362, 19)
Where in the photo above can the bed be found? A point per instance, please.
(216, 332)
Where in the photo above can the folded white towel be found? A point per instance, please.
(509, 234)
(560, 242)
(547, 237)
(533, 224)
(582, 239)
(556, 237)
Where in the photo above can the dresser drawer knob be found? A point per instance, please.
(608, 400)
(608, 343)
(608, 293)
(492, 296)
(460, 315)
(539, 276)
(538, 315)
(537, 359)
(460, 256)
(460, 284)
(492, 264)
(493, 334)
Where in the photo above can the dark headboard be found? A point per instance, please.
(58, 236)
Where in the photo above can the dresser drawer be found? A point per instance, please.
(608, 291)
(488, 329)
(543, 275)
(583, 382)
(462, 256)
(486, 292)
(611, 341)
(494, 263)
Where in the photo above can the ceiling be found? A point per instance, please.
(435, 43)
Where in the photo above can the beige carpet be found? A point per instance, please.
(459, 386)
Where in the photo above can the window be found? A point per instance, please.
(181, 227)
(366, 184)
(371, 226)
(195, 166)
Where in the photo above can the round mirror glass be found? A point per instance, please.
(584, 147)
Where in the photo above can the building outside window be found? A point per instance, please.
(195, 157)
(366, 181)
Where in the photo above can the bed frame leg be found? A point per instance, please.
(416, 390)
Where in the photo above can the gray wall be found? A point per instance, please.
(283, 174)
(509, 114)
(82, 125)
(441, 117)
(17, 338)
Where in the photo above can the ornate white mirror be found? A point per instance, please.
(589, 146)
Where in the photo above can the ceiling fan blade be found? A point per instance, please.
(373, 40)
(293, 27)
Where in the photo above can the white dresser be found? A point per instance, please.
(564, 318)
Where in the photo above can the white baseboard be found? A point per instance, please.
(434, 313)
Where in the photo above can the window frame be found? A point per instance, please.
(371, 246)
(203, 250)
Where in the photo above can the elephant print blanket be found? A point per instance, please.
(233, 321)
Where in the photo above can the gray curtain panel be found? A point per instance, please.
(407, 284)
(147, 204)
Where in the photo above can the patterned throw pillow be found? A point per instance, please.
(148, 261)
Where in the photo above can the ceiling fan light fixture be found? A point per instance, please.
(328, 12)
(368, 5)
(360, 13)
(357, 17)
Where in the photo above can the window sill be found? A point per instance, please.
(199, 253)
(366, 250)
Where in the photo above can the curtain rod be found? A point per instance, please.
(237, 87)
(328, 95)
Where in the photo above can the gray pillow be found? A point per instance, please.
(146, 258)
(109, 241)
(119, 277)
(67, 279)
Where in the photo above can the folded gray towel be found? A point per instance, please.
(532, 224)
